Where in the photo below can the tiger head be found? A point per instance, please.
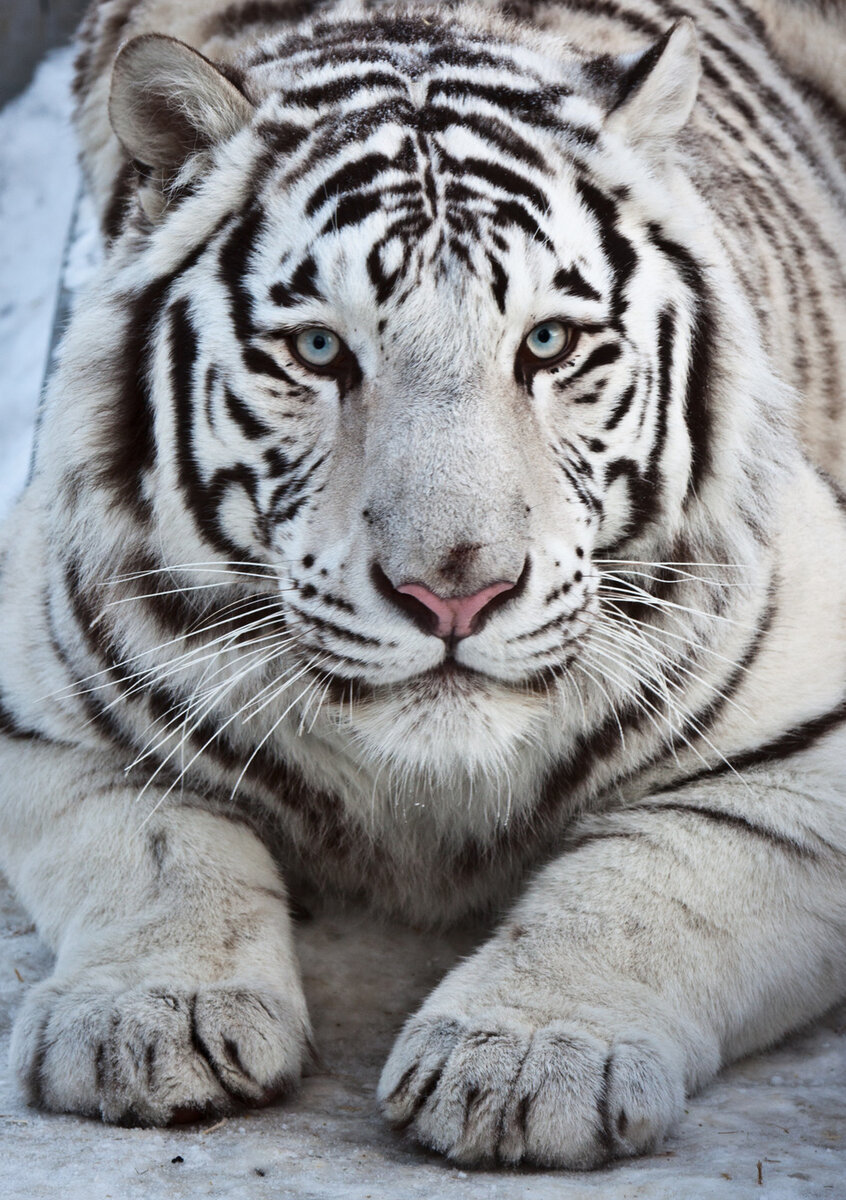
(432, 332)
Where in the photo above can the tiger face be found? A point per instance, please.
(434, 381)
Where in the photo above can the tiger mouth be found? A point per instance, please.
(447, 678)
(449, 672)
(450, 666)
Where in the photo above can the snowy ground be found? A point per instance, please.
(784, 1111)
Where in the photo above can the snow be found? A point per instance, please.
(38, 181)
(785, 1109)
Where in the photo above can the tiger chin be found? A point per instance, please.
(436, 502)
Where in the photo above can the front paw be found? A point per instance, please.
(494, 1088)
(152, 1055)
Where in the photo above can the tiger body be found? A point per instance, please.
(213, 685)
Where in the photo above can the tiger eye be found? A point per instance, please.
(548, 342)
(317, 347)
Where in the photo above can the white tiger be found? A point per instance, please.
(419, 504)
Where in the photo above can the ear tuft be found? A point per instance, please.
(168, 101)
(658, 88)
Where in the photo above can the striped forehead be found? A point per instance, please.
(431, 185)
(440, 196)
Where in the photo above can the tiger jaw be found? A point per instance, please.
(473, 711)
(447, 722)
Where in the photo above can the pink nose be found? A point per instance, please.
(456, 614)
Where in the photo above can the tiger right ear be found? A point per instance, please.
(657, 89)
(168, 101)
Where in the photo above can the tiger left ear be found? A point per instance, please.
(169, 103)
(657, 90)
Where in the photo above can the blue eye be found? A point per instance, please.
(318, 347)
(548, 340)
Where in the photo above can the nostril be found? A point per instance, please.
(455, 615)
(448, 617)
(422, 616)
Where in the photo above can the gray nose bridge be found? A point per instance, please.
(448, 502)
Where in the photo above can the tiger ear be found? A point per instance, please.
(168, 101)
(657, 90)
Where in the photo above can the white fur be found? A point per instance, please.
(673, 925)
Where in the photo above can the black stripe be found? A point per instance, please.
(383, 284)
(259, 362)
(320, 812)
(773, 104)
(641, 499)
(571, 280)
(609, 8)
(353, 210)
(281, 140)
(12, 727)
(130, 442)
(621, 407)
(292, 490)
(325, 626)
(619, 251)
(708, 716)
(645, 485)
(342, 89)
(176, 612)
(234, 19)
(250, 425)
(438, 119)
(666, 348)
(499, 281)
(201, 499)
(120, 202)
(724, 690)
(734, 821)
(497, 176)
(510, 212)
(590, 502)
(697, 407)
(794, 741)
(535, 106)
(96, 634)
(349, 178)
(578, 841)
(836, 490)
(93, 703)
(601, 356)
(465, 54)
(233, 263)
(280, 465)
(157, 844)
(827, 106)
(583, 466)
(304, 280)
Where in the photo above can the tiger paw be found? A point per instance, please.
(154, 1056)
(496, 1089)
